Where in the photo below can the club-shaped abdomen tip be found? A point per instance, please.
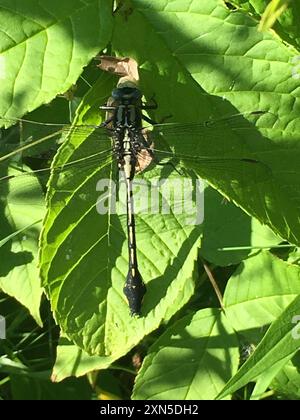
(134, 290)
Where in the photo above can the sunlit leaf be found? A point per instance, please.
(190, 361)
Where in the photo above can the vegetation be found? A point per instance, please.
(221, 312)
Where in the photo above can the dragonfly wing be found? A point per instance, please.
(228, 136)
(216, 150)
(18, 185)
(240, 121)
(32, 138)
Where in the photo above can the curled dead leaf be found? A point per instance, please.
(126, 68)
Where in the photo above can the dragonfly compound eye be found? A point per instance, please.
(126, 94)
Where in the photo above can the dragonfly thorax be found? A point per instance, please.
(127, 102)
(127, 96)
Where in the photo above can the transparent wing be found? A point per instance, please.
(245, 171)
(216, 150)
(34, 138)
(18, 185)
(224, 137)
(85, 153)
(240, 121)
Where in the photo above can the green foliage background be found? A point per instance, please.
(203, 60)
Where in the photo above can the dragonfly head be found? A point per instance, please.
(127, 95)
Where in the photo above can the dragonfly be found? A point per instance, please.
(124, 140)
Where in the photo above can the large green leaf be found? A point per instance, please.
(187, 49)
(44, 47)
(84, 257)
(191, 360)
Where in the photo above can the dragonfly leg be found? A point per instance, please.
(152, 122)
(148, 120)
(150, 105)
(107, 107)
(164, 119)
(106, 122)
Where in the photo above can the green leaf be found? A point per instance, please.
(191, 361)
(203, 60)
(72, 361)
(44, 47)
(84, 257)
(259, 291)
(278, 346)
(230, 235)
(21, 223)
